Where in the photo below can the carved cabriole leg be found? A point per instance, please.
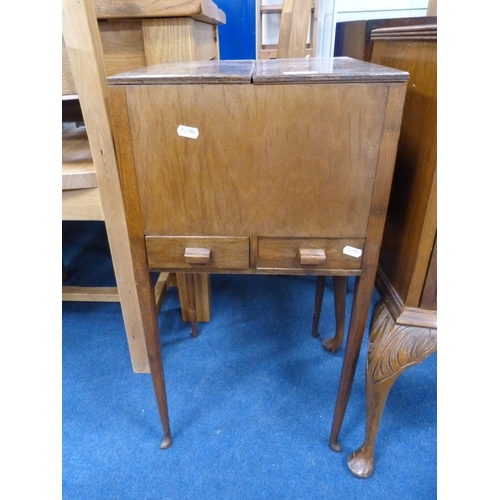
(392, 349)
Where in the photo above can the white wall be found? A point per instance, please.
(353, 10)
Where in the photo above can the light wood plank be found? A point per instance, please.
(206, 42)
(297, 25)
(178, 39)
(78, 169)
(129, 44)
(203, 295)
(123, 45)
(432, 8)
(162, 36)
(202, 10)
(90, 294)
(82, 204)
(68, 83)
(110, 293)
(295, 19)
(162, 285)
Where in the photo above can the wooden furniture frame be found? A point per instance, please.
(298, 20)
(129, 35)
(403, 329)
(246, 205)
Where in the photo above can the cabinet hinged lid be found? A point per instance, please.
(188, 72)
(269, 71)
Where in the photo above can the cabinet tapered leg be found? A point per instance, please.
(147, 304)
(333, 344)
(392, 349)
(202, 288)
(190, 289)
(359, 313)
(318, 302)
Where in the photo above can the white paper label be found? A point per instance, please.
(189, 132)
(353, 252)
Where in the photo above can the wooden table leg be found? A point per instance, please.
(393, 349)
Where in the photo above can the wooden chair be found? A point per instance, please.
(120, 41)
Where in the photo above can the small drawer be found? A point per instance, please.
(199, 253)
(311, 254)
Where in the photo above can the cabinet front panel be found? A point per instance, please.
(257, 160)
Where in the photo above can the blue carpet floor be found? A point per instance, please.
(251, 399)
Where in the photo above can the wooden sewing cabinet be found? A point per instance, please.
(265, 167)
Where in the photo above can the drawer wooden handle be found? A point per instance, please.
(197, 255)
(312, 256)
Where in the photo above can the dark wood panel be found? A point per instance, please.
(353, 38)
(429, 293)
(411, 220)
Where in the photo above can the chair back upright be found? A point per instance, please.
(294, 28)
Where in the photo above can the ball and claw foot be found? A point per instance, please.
(360, 463)
(166, 443)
